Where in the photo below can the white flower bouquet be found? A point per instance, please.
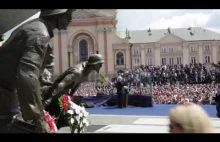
(76, 115)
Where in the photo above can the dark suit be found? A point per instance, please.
(217, 101)
(23, 57)
(119, 87)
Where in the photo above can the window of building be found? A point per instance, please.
(149, 50)
(193, 49)
(138, 61)
(206, 48)
(171, 50)
(193, 60)
(207, 59)
(149, 61)
(136, 51)
(171, 61)
(163, 50)
(163, 60)
(83, 50)
(179, 60)
(178, 49)
(120, 58)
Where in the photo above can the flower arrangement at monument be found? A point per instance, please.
(51, 122)
(74, 114)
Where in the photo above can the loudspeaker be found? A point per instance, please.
(89, 105)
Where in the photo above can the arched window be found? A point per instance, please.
(120, 58)
(83, 50)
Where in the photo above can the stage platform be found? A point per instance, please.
(111, 100)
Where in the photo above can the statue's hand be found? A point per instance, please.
(47, 102)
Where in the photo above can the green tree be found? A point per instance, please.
(101, 78)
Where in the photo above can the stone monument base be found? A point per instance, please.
(16, 126)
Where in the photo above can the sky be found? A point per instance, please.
(133, 19)
(162, 19)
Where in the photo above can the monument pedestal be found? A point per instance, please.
(7, 125)
(19, 126)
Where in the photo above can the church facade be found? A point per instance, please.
(94, 31)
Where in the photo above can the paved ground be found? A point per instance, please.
(131, 124)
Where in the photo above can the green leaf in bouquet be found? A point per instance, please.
(60, 102)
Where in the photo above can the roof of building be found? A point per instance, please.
(85, 13)
(187, 34)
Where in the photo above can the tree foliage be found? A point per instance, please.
(101, 78)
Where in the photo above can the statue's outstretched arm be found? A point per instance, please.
(67, 83)
(48, 94)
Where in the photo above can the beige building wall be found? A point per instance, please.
(100, 34)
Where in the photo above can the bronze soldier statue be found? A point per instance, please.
(2, 38)
(46, 76)
(72, 78)
(23, 57)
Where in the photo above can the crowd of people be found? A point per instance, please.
(170, 84)
(172, 74)
(179, 94)
(94, 89)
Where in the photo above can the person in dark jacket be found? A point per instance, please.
(26, 53)
(216, 97)
(119, 85)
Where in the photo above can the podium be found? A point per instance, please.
(125, 100)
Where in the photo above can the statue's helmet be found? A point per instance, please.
(95, 59)
(49, 12)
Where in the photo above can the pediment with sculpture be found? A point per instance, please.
(85, 14)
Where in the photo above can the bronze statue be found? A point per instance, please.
(2, 38)
(71, 79)
(23, 58)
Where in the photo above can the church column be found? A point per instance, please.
(64, 51)
(101, 45)
(128, 59)
(110, 55)
(56, 52)
(70, 55)
(157, 55)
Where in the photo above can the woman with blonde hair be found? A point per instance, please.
(189, 118)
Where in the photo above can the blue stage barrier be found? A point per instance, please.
(134, 100)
